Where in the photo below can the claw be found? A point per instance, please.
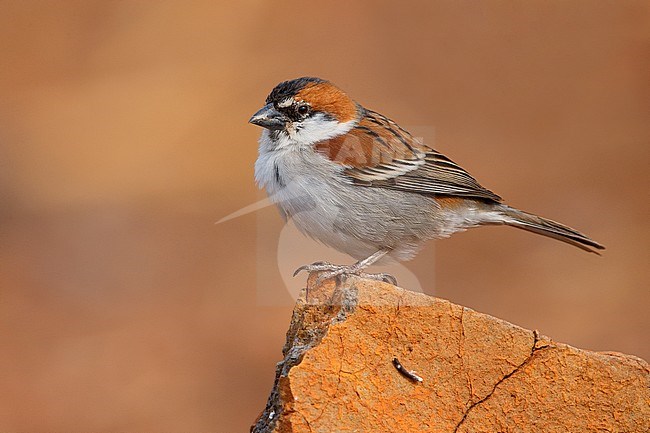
(300, 269)
(316, 266)
(388, 278)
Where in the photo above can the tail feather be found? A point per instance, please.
(552, 229)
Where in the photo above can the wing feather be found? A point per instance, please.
(379, 153)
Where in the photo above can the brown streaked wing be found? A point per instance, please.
(379, 153)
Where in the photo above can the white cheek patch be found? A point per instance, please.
(318, 128)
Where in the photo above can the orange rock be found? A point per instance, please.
(479, 373)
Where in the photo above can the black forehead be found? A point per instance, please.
(288, 89)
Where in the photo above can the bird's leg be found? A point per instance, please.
(329, 270)
(341, 269)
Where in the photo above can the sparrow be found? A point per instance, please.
(356, 181)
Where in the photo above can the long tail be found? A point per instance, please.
(552, 229)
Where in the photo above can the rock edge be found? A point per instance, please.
(479, 373)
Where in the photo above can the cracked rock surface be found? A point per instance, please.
(480, 374)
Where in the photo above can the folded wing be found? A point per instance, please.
(379, 153)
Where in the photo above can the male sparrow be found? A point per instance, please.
(358, 182)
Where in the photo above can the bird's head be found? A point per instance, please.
(307, 110)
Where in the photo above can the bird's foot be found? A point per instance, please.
(331, 271)
(317, 267)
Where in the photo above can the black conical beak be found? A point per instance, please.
(270, 118)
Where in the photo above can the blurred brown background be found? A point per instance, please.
(123, 138)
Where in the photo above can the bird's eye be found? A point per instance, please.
(302, 109)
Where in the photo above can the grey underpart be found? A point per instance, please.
(357, 220)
